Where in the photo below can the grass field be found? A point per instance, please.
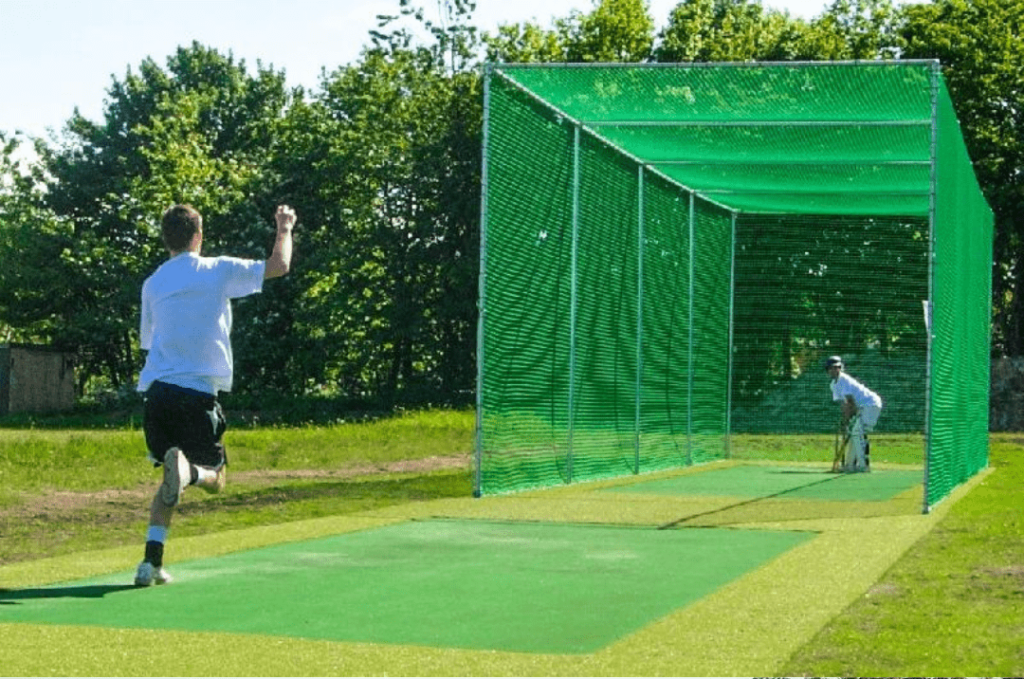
(950, 606)
(65, 491)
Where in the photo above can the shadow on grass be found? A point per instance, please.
(10, 597)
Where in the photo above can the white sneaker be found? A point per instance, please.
(148, 574)
(177, 475)
(213, 485)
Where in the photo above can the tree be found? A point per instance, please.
(742, 30)
(524, 43)
(728, 30)
(386, 156)
(383, 168)
(615, 31)
(980, 44)
(403, 170)
(29, 236)
(855, 29)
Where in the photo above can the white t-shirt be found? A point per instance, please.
(844, 386)
(186, 319)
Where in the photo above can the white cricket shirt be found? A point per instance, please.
(844, 386)
(186, 319)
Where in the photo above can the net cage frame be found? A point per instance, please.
(951, 414)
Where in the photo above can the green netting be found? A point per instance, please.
(669, 252)
(890, 93)
(812, 285)
(961, 292)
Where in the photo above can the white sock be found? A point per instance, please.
(205, 474)
(157, 534)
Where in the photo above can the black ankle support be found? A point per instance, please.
(155, 553)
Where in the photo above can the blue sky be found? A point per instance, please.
(59, 54)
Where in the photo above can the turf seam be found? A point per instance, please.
(535, 522)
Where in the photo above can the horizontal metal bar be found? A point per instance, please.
(803, 193)
(727, 64)
(788, 163)
(757, 123)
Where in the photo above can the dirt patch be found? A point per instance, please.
(63, 502)
(884, 590)
(1005, 573)
(121, 505)
(422, 466)
(1008, 580)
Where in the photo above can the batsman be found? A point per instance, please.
(860, 410)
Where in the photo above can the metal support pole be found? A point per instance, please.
(573, 297)
(478, 452)
(732, 315)
(689, 348)
(929, 334)
(639, 316)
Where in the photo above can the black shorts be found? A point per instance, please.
(188, 419)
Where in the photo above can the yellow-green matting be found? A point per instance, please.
(749, 626)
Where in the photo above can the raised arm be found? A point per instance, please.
(280, 259)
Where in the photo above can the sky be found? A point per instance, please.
(56, 55)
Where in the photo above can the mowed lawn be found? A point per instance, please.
(950, 606)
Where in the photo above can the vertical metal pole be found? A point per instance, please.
(732, 314)
(689, 349)
(482, 292)
(573, 296)
(639, 316)
(932, 209)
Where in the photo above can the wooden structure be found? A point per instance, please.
(36, 379)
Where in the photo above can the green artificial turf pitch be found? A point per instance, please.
(528, 587)
(797, 483)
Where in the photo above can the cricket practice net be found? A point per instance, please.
(669, 252)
